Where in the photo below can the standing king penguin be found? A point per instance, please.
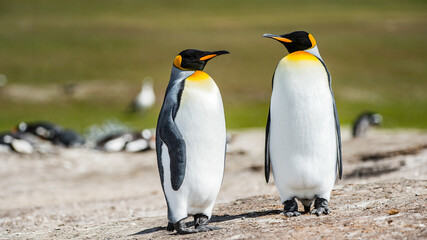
(191, 141)
(303, 140)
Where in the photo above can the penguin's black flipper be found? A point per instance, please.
(337, 124)
(173, 139)
(168, 133)
(267, 164)
(267, 149)
(338, 133)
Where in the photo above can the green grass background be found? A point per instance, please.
(375, 50)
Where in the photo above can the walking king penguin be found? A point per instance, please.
(190, 142)
(303, 141)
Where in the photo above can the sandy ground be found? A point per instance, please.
(87, 194)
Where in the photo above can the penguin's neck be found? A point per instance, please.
(179, 74)
(198, 76)
(315, 51)
(146, 87)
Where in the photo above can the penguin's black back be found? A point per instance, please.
(68, 138)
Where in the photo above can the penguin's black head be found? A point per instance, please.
(375, 119)
(193, 59)
(294, 41)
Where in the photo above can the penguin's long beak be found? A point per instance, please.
(277, 37)
(211, 55)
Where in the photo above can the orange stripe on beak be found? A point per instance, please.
(207, 57)
(283, 39)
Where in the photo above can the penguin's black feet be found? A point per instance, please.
(170, 227)
(291, 208)
(201, 223)
(320, 207)
(181, 228)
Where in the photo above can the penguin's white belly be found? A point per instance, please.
(200, 120)
(146, 98)
(302, 130)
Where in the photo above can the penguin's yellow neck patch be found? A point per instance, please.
(198, 76)
(301, 55)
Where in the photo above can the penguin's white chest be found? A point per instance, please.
(302, 128)
(201, 121)
(146, 97)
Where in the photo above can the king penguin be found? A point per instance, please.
(191, 142)
(303, 140)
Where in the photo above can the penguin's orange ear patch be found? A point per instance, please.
(312, 40)
(177, 61)
(207, 57)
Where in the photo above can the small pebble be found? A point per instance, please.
(393, 211)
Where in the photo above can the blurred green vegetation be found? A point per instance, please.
(375, 50)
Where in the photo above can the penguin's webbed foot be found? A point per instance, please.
(170, 227)
(320, 207)
(181, 228)
(291, 214)
(291, 208)
(207, 228)
(201, 223)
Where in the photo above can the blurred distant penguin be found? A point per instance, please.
(145, 98)
(190, 142)
(125, 141)
(364, 121)
(140, 142)
(137, 145)
(303, 141)
(44, 130)
(53, 133)
(68, 138)
(114, 142)
(16, 143)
